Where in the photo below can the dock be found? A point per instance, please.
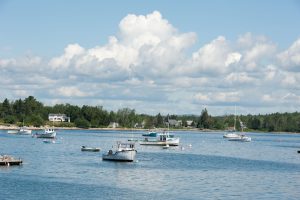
(9, 160)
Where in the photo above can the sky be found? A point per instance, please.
(175, 57)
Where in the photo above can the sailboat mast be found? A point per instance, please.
(234, 117)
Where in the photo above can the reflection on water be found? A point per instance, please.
(205, 166)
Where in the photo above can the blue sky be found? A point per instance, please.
(155, 56)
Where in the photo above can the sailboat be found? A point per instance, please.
(242, 137)
(24, 130)
(232, 133)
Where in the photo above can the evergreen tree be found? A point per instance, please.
(205, 121)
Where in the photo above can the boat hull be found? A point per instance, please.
(120, 156)
(46, 135)
(170, 142)
(231, 135)
(24, 132)
(241, 139)
(90, 149)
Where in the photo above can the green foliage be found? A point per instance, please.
(205, 121)
(33, 113)
(10, 119)
(158, 121)
(126, 117)
(148, 122)
(82, 123)
(36, 120)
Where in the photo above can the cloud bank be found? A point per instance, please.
(148, 65)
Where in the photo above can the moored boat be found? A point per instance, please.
(162, 139)
(125, 152)
(12, 131)
(242, 138)
(150, 134)
(231, 135)
(48, 133)
(24, 131)
(93, 149)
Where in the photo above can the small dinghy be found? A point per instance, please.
(93, 149)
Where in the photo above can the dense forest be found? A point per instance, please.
(31, 112)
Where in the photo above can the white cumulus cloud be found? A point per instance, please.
(290, 58)
(70, 91)
(150, 65)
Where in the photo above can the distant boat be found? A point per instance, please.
(241, 138)
(12, 131)
(48, 133)
(166, 146)
(233, 136)
(162, 139)
(125, 152)
(94, 149)
(232, 133)
(24, 131)
(150, 134)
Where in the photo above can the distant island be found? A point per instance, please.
(30, 112)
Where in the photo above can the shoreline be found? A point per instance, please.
(14, 127)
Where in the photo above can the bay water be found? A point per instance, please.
(204, 166)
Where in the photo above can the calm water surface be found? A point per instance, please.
(212, 168)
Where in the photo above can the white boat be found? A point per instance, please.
(166, 146)
(12, 131)
(24, 131)
(125, 152)
(48, 133)
(162, 139)
(241, 138)
(94, 149)
(231, 135)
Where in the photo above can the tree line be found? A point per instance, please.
(31, 112)
(275, 122)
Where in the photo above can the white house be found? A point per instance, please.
(189, 123)
(113, 125)
(174, 123)
(58, 118)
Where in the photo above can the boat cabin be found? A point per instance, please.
(125, 146)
